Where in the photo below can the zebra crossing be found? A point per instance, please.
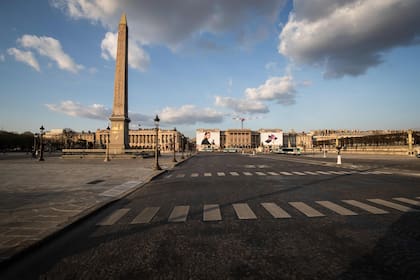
(287, 210)
(273, 173)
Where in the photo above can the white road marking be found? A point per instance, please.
(169, 176)
(114, 217)
(393, 205)
(146, 215)
(273, 173)
(234, 173)
(207, 174)
(408, 201)
(286, 173)
(247, 173)
(366, 207)
(211, 212)
(260, 173)
(249, 166)
(263, 166)
(275, 210)
(180, 175)
(323, 172)
(243, 211)
(179, 214)
(194, 175)
(299, 173)
(306, 209)
(221, 174)
(336, 208)
(311, 173)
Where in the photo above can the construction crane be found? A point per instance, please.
(240, 119)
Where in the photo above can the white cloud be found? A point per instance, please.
(241, 105)
(25, 57)
(279, 89)
(137, 57)
(172, 22)
(94, 111)
(74, 109)
(190, 114)
(2, 58)
(51, 48)
(347, 37)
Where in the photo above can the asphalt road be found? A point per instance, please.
(264, 218)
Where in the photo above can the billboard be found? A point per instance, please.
(208, 139)
(272, 138)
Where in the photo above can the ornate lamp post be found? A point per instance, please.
(41, 144)
(157, 167)
(173, 142)
(107, 145)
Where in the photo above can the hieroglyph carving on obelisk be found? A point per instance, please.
(119, 118)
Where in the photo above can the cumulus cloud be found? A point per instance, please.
(2, 58)
(279, 89)
(74, 109)
(172, 22)
(347, 37)
(94, 111)
(25, 57)
(48, 47)
(137, 57)
(241, 105)
(190, 114)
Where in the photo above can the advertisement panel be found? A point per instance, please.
(272, 138)
(208, 139)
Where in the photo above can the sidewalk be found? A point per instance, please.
(39, 199)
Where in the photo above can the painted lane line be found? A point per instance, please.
(336, 208)
(323, 172)
(221, 174)
(207, 174)
(273, 173)
(260, 173)
(243, 211)
(194, 174)
(234, 173)
(114, 217)
(211, 212)
(299, 173)
(286, 173)
(146, 215)
(311, 173)
(169, 176)
(306, 209)
(366, 207)
(393, 205)
(179, 214)
(275, 210)
(407, 200)
(247, 173)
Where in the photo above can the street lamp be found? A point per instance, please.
(41, 144)
(173, 142)
(157, 167)
(107, 145)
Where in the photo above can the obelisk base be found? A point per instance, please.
(118, 135)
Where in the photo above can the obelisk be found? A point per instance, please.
(119, 118)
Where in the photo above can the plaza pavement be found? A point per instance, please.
(39, 199)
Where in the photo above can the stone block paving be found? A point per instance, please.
(38, 199)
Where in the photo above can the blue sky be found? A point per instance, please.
(299, 65)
